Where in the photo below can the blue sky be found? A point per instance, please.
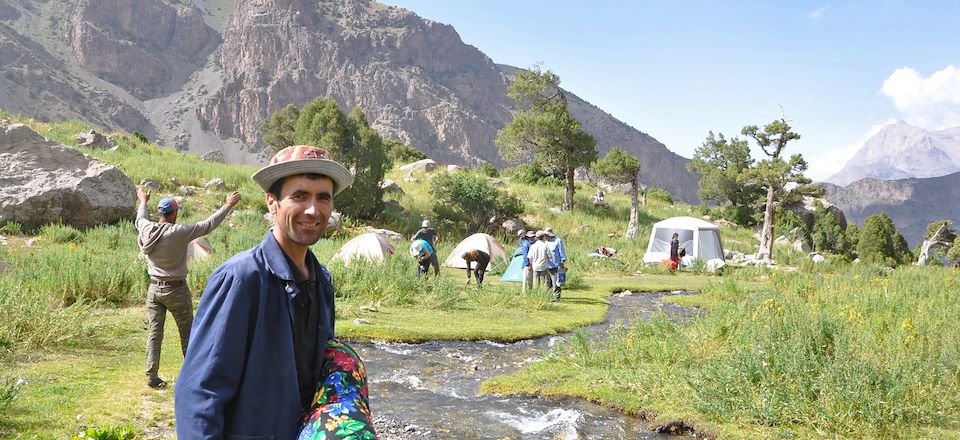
(677, 70)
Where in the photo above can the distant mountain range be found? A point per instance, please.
(201, 75)
(912, 203)
(901, 151)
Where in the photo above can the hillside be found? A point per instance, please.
(912, 204)
(204, 75)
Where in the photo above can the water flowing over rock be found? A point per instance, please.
(44, 182)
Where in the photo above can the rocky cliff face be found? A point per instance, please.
(912, 204)
(36, 80)
(900, 151)
(143, 65)
(136, 44)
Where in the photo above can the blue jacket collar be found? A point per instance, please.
(275, 258)
(277, 261)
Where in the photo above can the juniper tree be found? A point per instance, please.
(618, 167)
(543, 128)
(774, 173)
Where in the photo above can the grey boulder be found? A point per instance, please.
(42, 182)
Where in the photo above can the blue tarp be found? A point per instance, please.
(514, 271)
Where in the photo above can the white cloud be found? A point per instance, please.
(829, 162)
(931, 102)
(817, 13)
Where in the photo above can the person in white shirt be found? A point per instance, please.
(539, 256)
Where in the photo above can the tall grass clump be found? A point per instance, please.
(30, 318)
(11, 228)
(857, 353)
(60, 233)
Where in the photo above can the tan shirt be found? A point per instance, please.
(165, 244)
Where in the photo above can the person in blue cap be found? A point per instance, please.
(165, 244)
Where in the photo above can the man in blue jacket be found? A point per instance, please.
(558, 258)
(267, 314)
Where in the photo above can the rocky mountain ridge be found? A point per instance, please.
(203, 75)
(912, 203)
(900, 151)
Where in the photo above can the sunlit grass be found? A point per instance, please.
(857, 352)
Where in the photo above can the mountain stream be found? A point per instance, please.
(431, 388)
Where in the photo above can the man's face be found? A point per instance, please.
(302, 211)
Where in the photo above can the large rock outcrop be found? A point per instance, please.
(143, 65)
(36, 84)
(415, 79)
(912, 204)
(807, 207)
(42, 182)
(136, 44)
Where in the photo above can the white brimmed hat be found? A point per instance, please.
(303, 159)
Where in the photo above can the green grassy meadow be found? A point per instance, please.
(844, 351)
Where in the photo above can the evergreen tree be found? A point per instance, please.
(881, 243)
(827, 234)
(350, 140)
(722, 166)
(774, 173)
(543, 128)
(279, 129)
(953, 255)
(618, 167)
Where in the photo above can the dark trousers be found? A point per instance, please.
(435, 262)
(553, 282)
(180, 303)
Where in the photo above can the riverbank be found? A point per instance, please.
(855, 352)
(100, 382)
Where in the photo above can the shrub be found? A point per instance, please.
(59, 233)
(11, 228)
(741, 215)
(467, 201)
(400, 154)
(827, 235)
(660, 194)
(789, 224)
(881, 243)
(112, 433)
(488, 170)
(9, 389)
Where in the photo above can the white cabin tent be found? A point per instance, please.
(701, 239)
(480, 241)
(370, 246)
